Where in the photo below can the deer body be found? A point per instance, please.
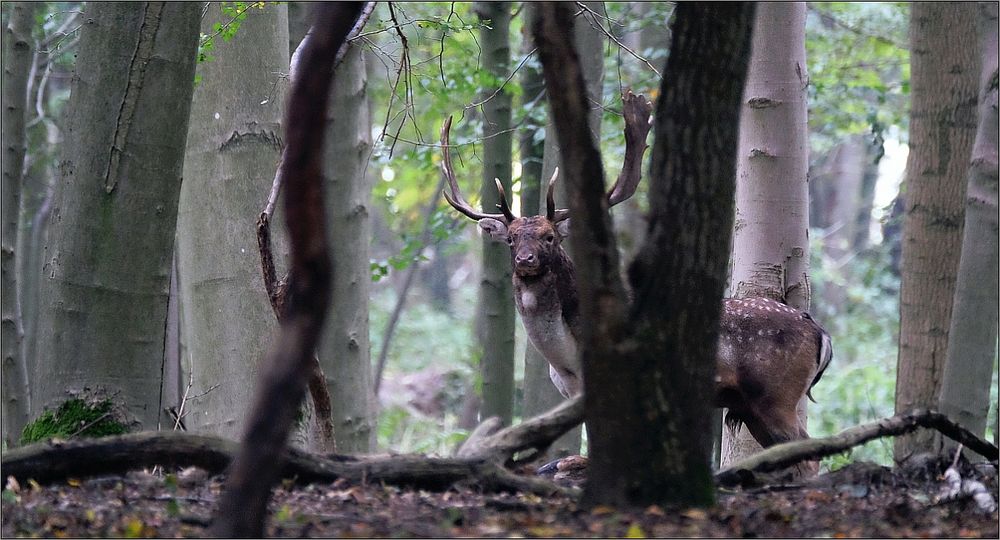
(769, 354)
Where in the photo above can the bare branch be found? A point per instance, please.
(614, 38)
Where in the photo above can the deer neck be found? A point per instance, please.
(552, 292)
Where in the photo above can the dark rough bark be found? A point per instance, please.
(965, 385)
(692, 187)
(649, 423)
(496, 306)
(243, 505)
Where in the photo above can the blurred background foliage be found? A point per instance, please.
(858, 72)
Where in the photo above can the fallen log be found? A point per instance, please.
(790, 453)
(55, 461)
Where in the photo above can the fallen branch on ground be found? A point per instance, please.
(56, 461)
(489, 442)
(787, 454)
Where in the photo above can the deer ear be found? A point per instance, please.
(563, 228)
(496, 228)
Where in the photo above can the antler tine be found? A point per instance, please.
(455, 198)
(553, 215)
(550, 200)
(636, 110)
(503, 202)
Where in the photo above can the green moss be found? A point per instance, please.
(74, 418)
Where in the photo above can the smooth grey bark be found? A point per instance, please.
(495, 318)
(345, 350)
(965, 385)
(540, 394)
(103, 293)
(17, 63)
(945, 63)
(771, 231)
(298, 24)
(37, 184)
(234, 145)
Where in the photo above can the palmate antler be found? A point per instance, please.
(455, 199)
(636, 110)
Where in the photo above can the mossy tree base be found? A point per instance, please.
(75, 418)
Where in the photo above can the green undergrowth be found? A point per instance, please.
(74, 418)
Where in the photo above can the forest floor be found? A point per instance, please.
(861, 500)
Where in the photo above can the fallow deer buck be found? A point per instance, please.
(769, 354)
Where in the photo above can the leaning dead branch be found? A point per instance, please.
(788, 454)
(56, 461)
(491, 443)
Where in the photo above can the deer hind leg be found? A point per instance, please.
(772, 423)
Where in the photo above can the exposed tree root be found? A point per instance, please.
(488, 442)
(784, 455)
(56, 461)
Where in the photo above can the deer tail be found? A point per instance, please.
(822, 360)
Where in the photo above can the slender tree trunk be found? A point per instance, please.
(771, 238)
(436, 275)
(37, 186)
(531, 147)
(234, 145)
(965, 386)
(103, 295)
(17, 60)
(945, 66)
(863, 221)
(540, 394)
(345, 350)
(496, 303)
(845, 175)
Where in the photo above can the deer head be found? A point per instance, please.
(535, 241)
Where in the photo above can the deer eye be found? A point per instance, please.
(550, 238)
(510, 240)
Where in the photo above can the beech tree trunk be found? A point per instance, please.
(242, 509)
(945, 67)
(972, 338)
(17, 59)
(649, 366)
(234, 145)
(345, 350)
(540, 394)
(771, 238)
(496, 296)
(103, 294)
